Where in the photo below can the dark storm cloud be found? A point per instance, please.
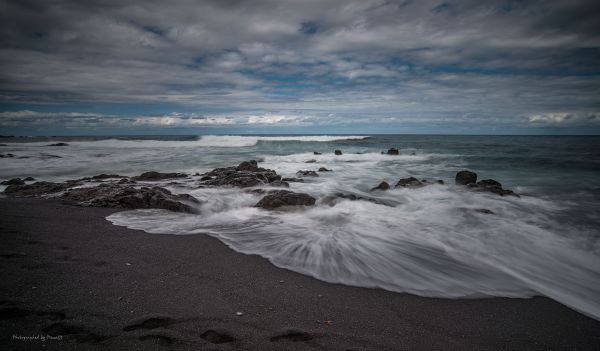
(320, 62)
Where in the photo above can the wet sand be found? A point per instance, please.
(70, 276)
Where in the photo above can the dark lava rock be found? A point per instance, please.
(484, 211)
(59, 144)
(293, 180)
(14, 181)
(307, 174)
(393, 151)
(323, 169)
(281, 198)
(381, 186)
(316, 153)
(113, 195)
(311, 161)
(156, 176)
(29, 179)
(410, 182)
(38, 188)
(247, 166)
(338, 152)
(465, 177)
(6, 155)
(492, 186)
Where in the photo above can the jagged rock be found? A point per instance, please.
(323, 169)
(156, 176)
(59, 144)
(465, 177)
(316, 153)
(381, 186)
(113, 195)
(410, 182)
(248, 166)
(38, 188)
(311, 161)
(393, 151)
(281, 198)
(14, 181)
(338, 152)
(307, 174)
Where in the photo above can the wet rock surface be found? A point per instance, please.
(246, 174)
(283, 198)
(381, 186)
(465, 177)
(157, 176)
(410, 182)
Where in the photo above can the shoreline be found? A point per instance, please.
(67, 271)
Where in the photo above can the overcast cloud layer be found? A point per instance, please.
(299, 66)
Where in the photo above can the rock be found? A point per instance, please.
(156, 176)
(393, 151)
(6, 155)
(29, 179)
(484, 211)
(381, 186)
(311, 161)
(44, 156)
(248, 166)
(205, 178)
(331, 200)
(410, 182)
(113, 195)
(492, 186)
(59, 144)
(14, 181)
(307, 174)
(465, 177)
(338, 152)
(323, 169)
(38, 188)
(316, 153)
(281, 198)
(293, 180)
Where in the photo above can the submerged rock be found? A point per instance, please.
(323, 169)
(492, 186)
(338, 152)
(316, 153)
(156, 176)
(293, 180)
(113, 195)
(410, 182)
(307, 174)
(465, 177)
(59, 144)
(281, 198)
(14, 181)
(311, 161)
(381, 186)
(393, 151)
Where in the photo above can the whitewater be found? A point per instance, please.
(431, 241)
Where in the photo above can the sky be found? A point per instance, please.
(316, 67)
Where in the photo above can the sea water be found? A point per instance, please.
(429, 241)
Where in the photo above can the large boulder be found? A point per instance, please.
(381, 186)
(113, 195)
(282, 198)
(157, 176)
(465, 178)
(393, 151)
(410, 182)
(14, 181)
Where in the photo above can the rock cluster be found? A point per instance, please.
(246, 174)
(468, 178)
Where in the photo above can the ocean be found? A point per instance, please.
(429, 241)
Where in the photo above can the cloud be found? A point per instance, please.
(272, 62)
(564, 118)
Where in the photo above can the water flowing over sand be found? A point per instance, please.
(430, 241)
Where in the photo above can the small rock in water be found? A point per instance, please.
(338, 152)
(316, 153)
(307, 174)
(393, 151)
(323, 169)
(465, 177)
(239, 313)
(311, 161)
(410, 182)
(381, 186)
(59, 144)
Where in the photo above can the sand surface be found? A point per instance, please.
(70, 276)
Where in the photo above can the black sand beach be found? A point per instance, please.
(69, 275)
